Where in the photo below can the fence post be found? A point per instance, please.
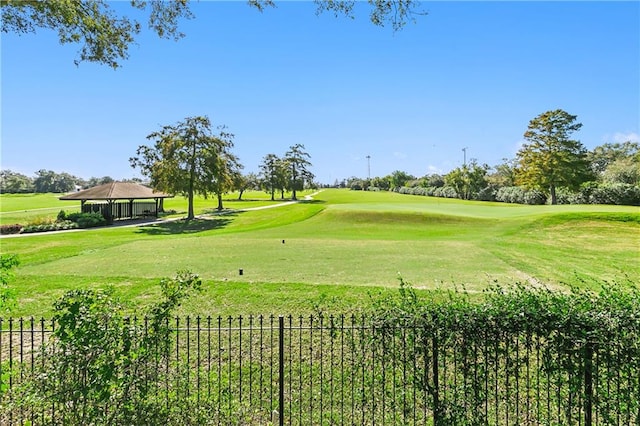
(588, 384)
(281, 370)
(436, 384)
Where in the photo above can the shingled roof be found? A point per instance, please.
(116, 191)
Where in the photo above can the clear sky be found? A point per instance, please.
(469, 74)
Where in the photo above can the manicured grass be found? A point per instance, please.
(338, 248)
(250, 199)
(28, 208)
(25, 208)
(22, 202)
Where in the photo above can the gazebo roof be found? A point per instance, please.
(116, 191)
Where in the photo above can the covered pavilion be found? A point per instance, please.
(120, 200)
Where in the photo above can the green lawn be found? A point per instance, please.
(337, 250)
(25, 208)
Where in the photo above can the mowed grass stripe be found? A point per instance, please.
(299, 260)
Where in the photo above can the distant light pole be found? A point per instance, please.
(369, 167)
(464, 150)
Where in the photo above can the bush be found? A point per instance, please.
(566, 196)
(415, 190)
(87, 220)
(65, 221)
(616, 193)
(569, 330)
(73, 217)
(90, 220)
(41, 220)
(7, 295)
(589, 193)
(101, 368)
(419, 190)
(55, 226)
(10, 229)
(445, 192)
(520, 195)
(534, 197)
(431, 190)
(487, 193)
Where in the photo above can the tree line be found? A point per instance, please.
(188, 158)
(48, 181)
(550, 167)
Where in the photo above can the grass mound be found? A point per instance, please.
(559, 218)
(394, 217)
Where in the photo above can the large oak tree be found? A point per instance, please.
(551, 159)
(188, 158)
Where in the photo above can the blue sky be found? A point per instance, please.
(469, 74)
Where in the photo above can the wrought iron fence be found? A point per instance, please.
(348, 370)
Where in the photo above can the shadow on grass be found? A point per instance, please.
(186, 226)
(215, 212)
(244, 200)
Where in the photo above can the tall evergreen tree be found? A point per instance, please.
(272, 174)
(298, 164)
(551, 159)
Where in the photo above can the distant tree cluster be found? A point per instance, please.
(47, 181)
(288, 173)
(550, 167)
(189, 158)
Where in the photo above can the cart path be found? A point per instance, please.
(146, 222)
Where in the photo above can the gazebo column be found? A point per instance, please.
(108, 214)
(82, 205)
(131, 209)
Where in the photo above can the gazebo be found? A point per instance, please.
(119, 200)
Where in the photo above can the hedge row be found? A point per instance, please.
(590, 193)
(63, 222)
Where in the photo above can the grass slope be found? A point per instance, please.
(337, 249)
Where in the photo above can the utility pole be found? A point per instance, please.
(369, 167)
(464, 150)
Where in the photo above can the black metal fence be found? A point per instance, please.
(337, 370)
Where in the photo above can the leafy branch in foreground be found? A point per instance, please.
(7, 295)
(105, 35)
(510, 333)
(100, 367)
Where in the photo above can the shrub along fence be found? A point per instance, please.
(430, 365)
